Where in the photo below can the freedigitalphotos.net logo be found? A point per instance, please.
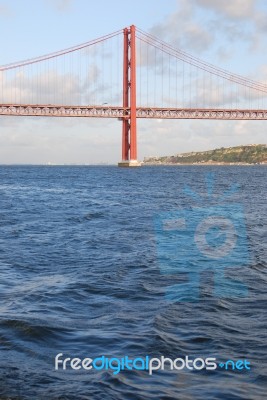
(147, 363)
(209, 239)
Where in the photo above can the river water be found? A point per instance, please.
(88, 269)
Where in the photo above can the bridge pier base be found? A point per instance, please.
(129, 163)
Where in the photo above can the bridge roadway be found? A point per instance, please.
(50, 110)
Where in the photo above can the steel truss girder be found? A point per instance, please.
(124, 112)
(61, 111)
(204, 113)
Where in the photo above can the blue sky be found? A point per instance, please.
(36, 27)
(229, 34)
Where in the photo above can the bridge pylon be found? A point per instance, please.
(129, 141)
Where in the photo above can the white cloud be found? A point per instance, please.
(5, 11)
(172, 137)
(34, 85)
(236, 9)
(61, 5)
(182, 29)
(59, 140)
(198, 26)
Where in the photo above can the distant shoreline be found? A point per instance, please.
(252, 154)
(204, 164)
(146, 164)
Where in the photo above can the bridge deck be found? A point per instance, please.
(49, 110)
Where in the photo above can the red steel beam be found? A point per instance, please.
(129, 144)
(125, 122)
(133, 143)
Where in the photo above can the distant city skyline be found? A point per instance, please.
(231, 35)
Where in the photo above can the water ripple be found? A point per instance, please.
(80, 275)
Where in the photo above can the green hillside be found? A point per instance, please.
(250, 154)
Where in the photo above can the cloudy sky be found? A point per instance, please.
(230, 34)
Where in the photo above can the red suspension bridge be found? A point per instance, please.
(146, 76)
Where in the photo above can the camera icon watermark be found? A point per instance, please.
(210, 239)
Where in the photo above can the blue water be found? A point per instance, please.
(82, 275)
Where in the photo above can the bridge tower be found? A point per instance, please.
(129, 142)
